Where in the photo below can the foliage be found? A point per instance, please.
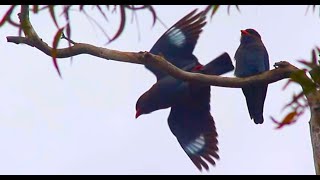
(310, 84)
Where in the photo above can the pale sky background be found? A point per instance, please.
(85, 124)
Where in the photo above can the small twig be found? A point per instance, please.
(68, 39)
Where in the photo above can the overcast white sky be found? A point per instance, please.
(84, 124)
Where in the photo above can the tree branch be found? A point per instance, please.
(33, 40)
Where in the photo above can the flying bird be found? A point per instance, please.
(190, 119)
(251, 59)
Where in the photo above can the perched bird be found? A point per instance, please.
(252, 58)
(190, 119)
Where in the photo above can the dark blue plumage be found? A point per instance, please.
(251, 59)
(190, 119)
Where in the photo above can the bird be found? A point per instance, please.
(189, 119)
(251, 59)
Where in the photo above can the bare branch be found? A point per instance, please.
(33, 40)
(284, 70)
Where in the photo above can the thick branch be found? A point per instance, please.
(274, 75)
(32, 39)
(314, 123)
(282, 71)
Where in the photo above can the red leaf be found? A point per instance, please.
(68, 27)
(101, 11)
(154, 15)
(295, 99)
(289, 119)
(35, 9)
(43, 8)
(81, 7)
(13, 23)
(309, 64)
(52, 14)
(56, 40)
(314, 56)
(287, 84)
(122, 24)
(7, 15)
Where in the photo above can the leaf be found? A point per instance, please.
(68, 27)
(303, 80)
(237, 6)
(154, 15)
(7, 15)
(103, 14)
(81, 7)
(315, 74)
(307, 10)
(52, 14)
(314, 56)
(295, 99)
(55, 43)
(121, 26)
(96, 23)
(35, 9)
(214, 9)
(13, 23)
(287, 84)
(309, 64)
(289, 119)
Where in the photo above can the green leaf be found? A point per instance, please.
(315, 74)
(307, 84)
(214, 9)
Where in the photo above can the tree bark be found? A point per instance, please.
(314, 124)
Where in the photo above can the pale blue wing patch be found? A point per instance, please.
(195, 146)
(177, 37)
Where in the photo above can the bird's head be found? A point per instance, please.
(249, 35)
(150, 101)
(143, 105)
(153, 99)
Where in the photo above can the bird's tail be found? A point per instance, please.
(220, 65)
(255, 97)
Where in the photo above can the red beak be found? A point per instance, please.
(138, 113)
(244, 32)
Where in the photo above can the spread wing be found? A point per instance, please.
(194, 128)
(178, 42)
